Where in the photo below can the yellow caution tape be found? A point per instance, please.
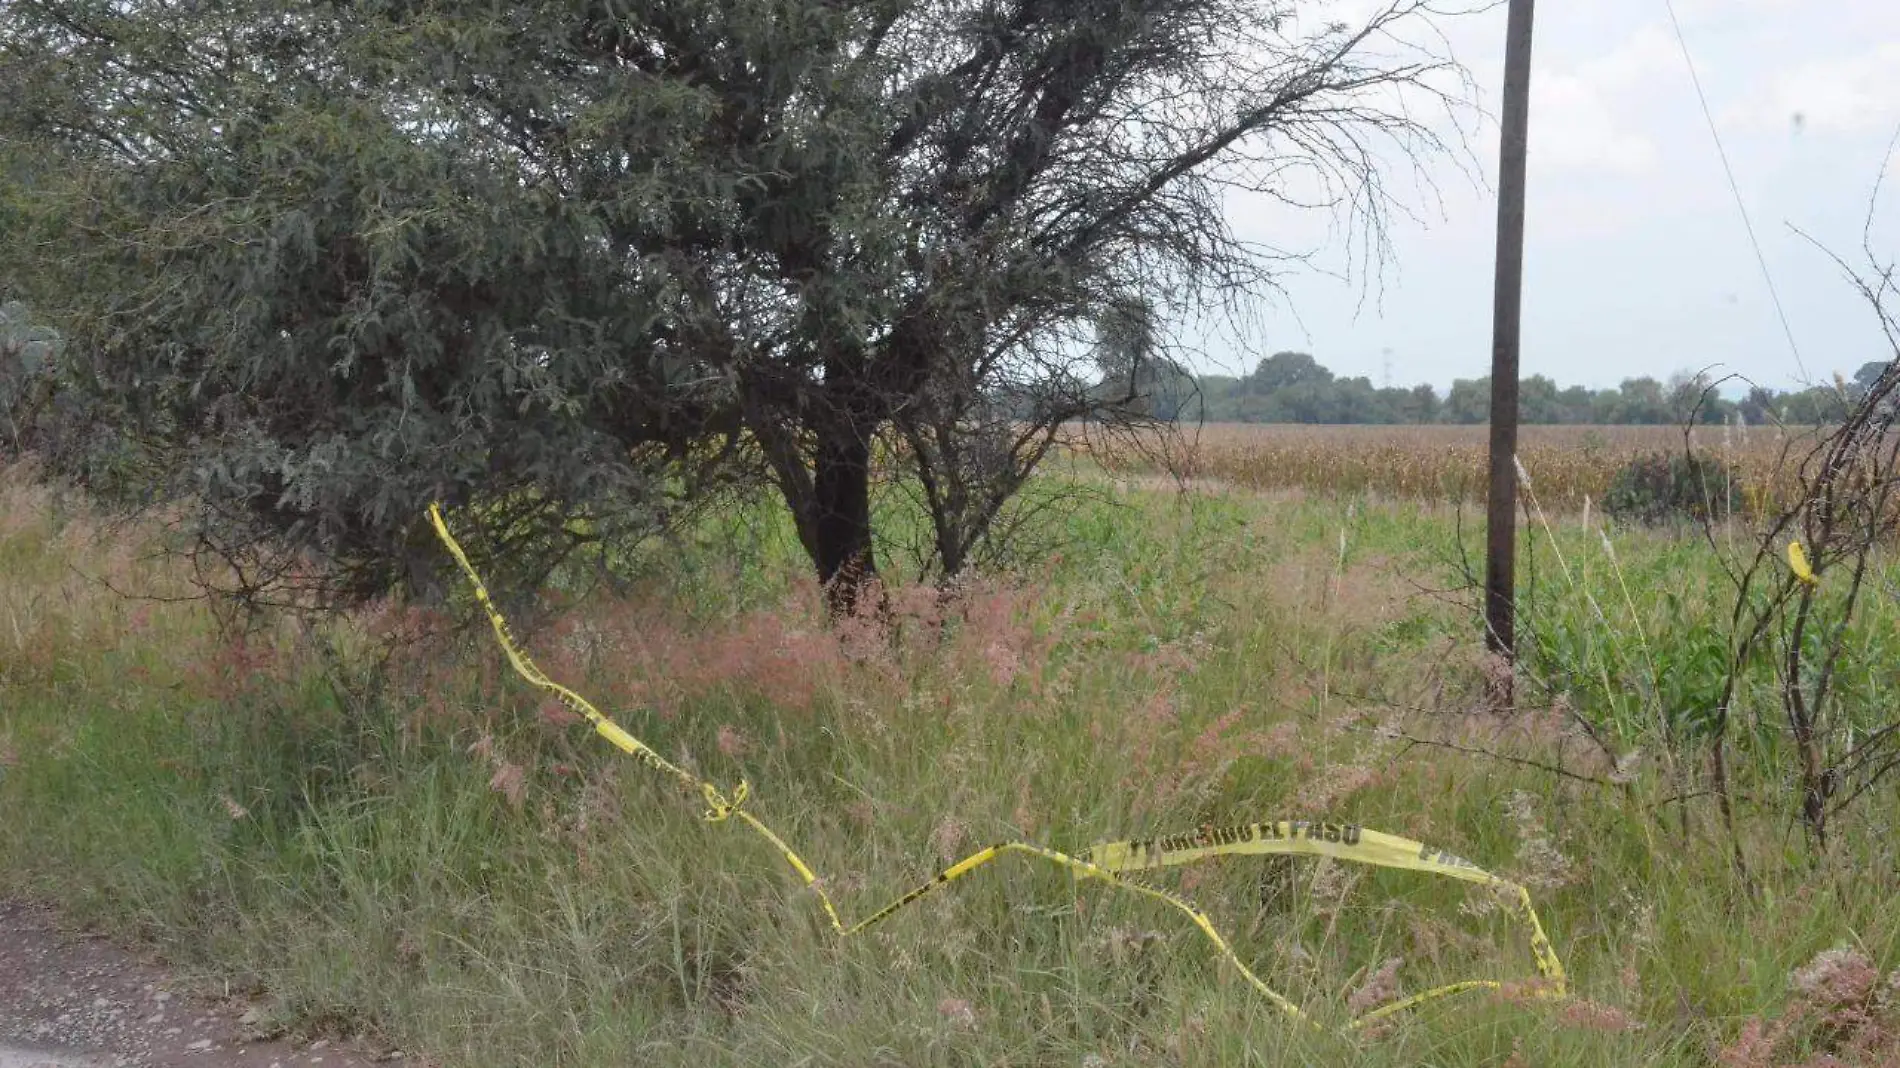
(1106, 861)
(1798, 563)
(1343, 841)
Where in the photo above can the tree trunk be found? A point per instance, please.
(841, 523)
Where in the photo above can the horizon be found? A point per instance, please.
(1733, 389)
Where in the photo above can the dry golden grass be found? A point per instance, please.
(1566, 464)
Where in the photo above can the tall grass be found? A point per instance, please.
(376, 826)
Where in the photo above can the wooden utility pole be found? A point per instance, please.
(1500, 570)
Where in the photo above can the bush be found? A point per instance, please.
(1658, 488)
(25, 378)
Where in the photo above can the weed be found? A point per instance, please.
(425, 850)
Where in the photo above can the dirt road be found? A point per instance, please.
(70, 1001)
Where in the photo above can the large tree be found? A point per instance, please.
(568, 260)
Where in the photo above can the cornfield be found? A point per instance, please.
(1565, 464)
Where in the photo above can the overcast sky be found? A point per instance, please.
(1637, 261)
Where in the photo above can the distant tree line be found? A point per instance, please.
(1293, 387)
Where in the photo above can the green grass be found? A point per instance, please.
(326, 826)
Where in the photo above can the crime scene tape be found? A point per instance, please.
(1108, 862)
(1798, 563)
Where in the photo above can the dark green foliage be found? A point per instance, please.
(64, 430)
(26, 381)
(571, 267)
(1293, 387)
(318, 296)
(1660, 488)
(565, 265)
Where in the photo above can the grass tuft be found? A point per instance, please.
(370, 821)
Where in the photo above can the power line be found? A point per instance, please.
(1735, 188)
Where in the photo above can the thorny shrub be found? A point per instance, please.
(1660, 488)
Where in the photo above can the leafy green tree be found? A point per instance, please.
(1354, 400)
(1866, 380)
(1870, 373)
(1137, 379)
(293, 256)
(1396, 405)
(1575, 404)
(1694, 395)
(1421, 405)
(1814, 406)
(1284, 370)
(1537, 401)
(1469, 401)
(1305, 391)
(1759, 406)
(564, 265)
(1642, 400)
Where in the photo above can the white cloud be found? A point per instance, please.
(1633, 64)
(1693, 12)
(1850, 94)
(1587, 115)
(1576, 129)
